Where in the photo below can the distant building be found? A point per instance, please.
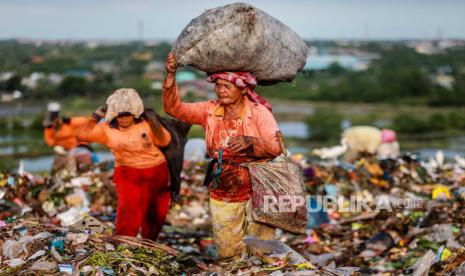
(154, 70)
(184, 76)
(33, 80)
(443, 80)
(9, 97)
(104, 66)
(154, 76)
(142, 56)
(55, 78)
(155, 66)
(431, 47)
(37, 59)
(198, 87)
(156, 85)
(92, 44)
(450, 43)
(426, 48)
(6, 76)
(80, 73)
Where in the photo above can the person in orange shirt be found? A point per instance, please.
(60, 134)
(239, 128)
(141, 173)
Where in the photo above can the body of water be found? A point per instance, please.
(294, 129)
(350, 62)
(290, 129)
(44, 163)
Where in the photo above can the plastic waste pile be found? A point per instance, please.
(29, 247)
(62, 201)
(410, 219)
(64, 225)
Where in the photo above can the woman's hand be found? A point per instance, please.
(152, 118)
(170, 67)
(241, 144)
(170, 64)
(100, 112)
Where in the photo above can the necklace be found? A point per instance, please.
(240, 119)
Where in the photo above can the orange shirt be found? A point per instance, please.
(258, 121)
(235, 183)
(225, 130)
(66, 135)
(134, 147)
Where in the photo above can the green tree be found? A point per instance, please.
(411, 124)
(438, 122)
(72, 86)
(13, 83)
(335, 69)
(324, 125)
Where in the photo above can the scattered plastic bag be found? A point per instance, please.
(13, 249)
(44, 266)
(89, 225)
(422, 266)
(273, 246)
(15, 262)
(71, 216)
(77, 238)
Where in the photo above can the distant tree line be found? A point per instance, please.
(399, 76)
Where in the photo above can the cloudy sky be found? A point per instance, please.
(159, 19)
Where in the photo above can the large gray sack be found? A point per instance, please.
(241, 37)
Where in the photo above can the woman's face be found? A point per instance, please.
(227, 92)
(125, 121)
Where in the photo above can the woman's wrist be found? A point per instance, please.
(96, 117)
(169, 81)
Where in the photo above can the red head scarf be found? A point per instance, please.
(242, 80)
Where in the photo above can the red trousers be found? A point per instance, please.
(143, 200)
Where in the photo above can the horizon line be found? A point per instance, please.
(161, 40)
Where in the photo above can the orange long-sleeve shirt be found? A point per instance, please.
(258, 122)
(135, 147)
(66, 134)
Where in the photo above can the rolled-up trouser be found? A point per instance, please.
(143, 200)
(231, 222)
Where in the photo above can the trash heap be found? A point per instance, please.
(62, 200)
(30, 247)
(64, 225)
(188, 224)
(419, 230)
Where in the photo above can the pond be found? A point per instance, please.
(296, 134)
(44, 163)
(294, 129)
(351, 62)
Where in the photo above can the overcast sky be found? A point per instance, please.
(312, 19)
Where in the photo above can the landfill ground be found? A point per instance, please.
(63, 225)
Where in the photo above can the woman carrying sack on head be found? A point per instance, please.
(141, 172)
(239, 128)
